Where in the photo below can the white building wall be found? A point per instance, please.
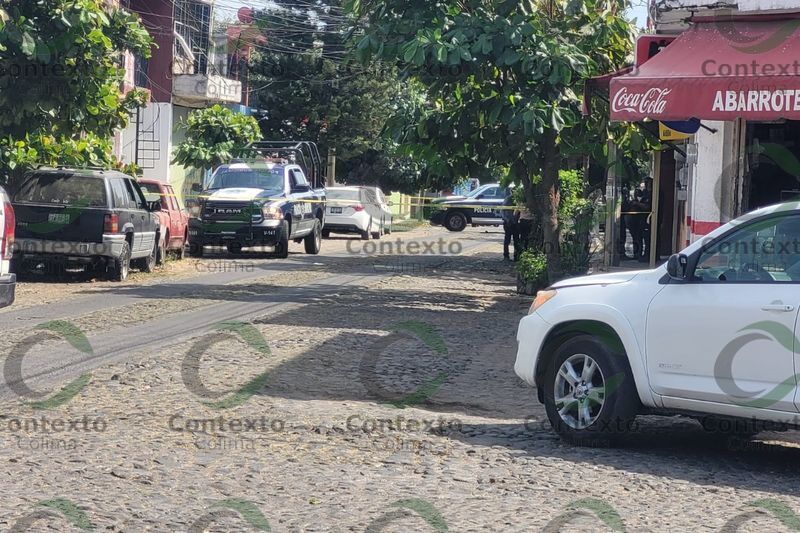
(155, 141)
(712, 173)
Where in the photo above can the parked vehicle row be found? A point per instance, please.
(101, 220)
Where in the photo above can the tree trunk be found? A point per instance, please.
(547, 195)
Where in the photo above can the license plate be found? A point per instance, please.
(58, 218)
(336, 210)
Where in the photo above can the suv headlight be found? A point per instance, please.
(542, 297)
(270, 212)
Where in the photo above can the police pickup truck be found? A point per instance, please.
(482, 207)
(259, 202)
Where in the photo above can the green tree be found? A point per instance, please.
(504, 79)
(60, 80)
(214, 136)
(305, 79)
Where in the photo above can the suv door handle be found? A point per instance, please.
(778, 307)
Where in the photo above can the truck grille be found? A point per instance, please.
(243, 212)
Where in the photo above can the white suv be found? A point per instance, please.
(8, 281)
(712, 334)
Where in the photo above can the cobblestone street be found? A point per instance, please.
(386, 404)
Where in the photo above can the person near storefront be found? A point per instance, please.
(646, 206)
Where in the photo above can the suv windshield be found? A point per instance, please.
(63, 189)
(251, 178)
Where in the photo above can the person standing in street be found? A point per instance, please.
(510, 227)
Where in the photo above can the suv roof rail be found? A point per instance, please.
(72, 167)
(303, 153)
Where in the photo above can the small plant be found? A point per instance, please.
(531, 272)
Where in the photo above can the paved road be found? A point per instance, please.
(340, 420)
(344, 270)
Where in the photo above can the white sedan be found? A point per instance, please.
(361, 210)
(712, 334)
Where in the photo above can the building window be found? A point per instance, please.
(140, 78)
(193, 23)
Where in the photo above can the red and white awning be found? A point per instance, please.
(717, 70)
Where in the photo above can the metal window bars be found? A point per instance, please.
(302, 153)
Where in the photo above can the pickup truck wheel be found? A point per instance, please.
(313, 241)
(366, 234)
(377, 234)
(122, 265)
(455, 221)
(282, 246)
(148, 264)
(589, 393)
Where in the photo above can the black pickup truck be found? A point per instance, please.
(259, 202)
(93, 218)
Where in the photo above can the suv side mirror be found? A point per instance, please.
(301, 188)
(676, 267)
(196, 187)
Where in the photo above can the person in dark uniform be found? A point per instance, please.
(646, 206)
(636, 222)
(510, 227)
(623, 226)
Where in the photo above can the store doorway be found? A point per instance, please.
(773, 164)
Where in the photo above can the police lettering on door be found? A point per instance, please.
(301, 208)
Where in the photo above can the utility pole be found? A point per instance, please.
(331, 181)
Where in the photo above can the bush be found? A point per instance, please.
(575, 257)
(531, 272)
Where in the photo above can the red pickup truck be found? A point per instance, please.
(173, 219)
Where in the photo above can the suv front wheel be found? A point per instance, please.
(589, 394)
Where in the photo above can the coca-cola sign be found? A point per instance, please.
(651, 102)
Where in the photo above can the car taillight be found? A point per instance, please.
(358, 207)
(7, 246)
(111, 224)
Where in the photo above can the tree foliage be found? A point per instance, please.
(214, 136)
(504, 79)
(311, 90)
(60, 80)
